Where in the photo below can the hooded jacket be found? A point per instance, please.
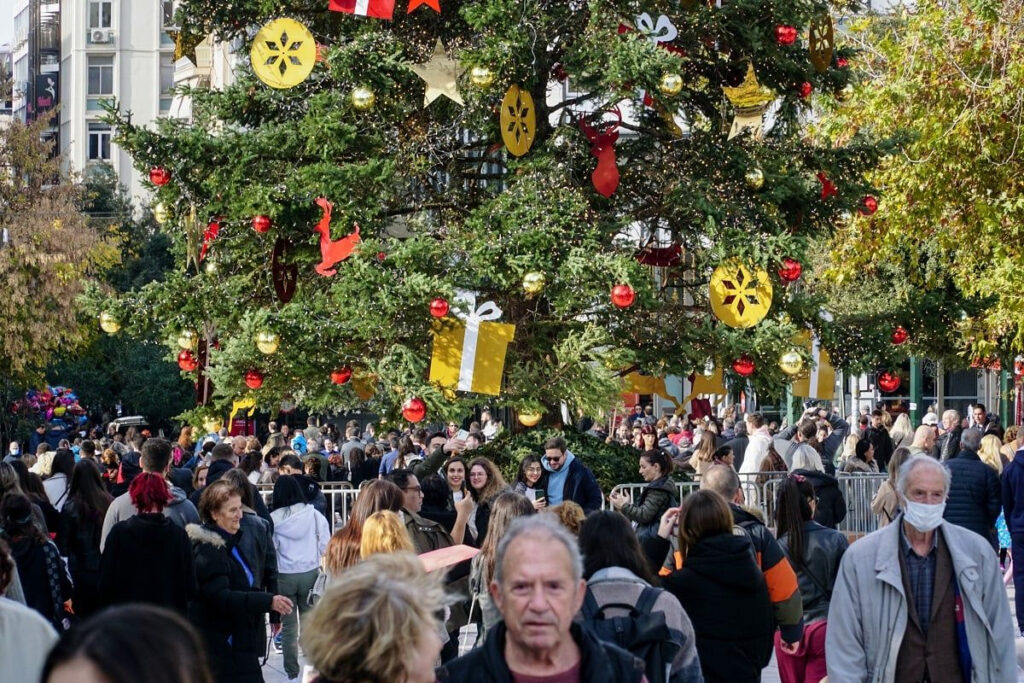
(656, 497)
(579, 484)
(723, 592)
(179, 510)
(300, 537)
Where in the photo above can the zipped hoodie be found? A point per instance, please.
(300, 538)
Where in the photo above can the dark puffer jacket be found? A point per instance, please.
(817, 569)
(974, 495)
(228, 612)
(599, 661)
(831, 508)
(658, 496)
(723, 591)
(78, 538)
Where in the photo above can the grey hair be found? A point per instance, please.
(538, 526)
(951, 415)
(721, 479)
(970, 440)
(918, 461)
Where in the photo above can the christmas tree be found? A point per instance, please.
(515, 202)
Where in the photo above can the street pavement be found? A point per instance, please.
(273, 672)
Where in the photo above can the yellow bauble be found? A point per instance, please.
(533, 283)
(481, 76)
(362, 98)
(671, 85)
(529, 418)
(188, 338)
(791, 362)
(160, 213)
(283, 53)
(212, 425)
(740, 296)
(268, 342)
(754, 178)
(109, 324)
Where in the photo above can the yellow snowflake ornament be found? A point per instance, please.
(740, 296)
(283, 53)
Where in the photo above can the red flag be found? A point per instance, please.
(381, 9)
(432, 4)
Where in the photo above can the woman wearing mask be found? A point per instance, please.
(78, 538)
(532, 480)
(815, 552)
(658, 496)
(300, 537)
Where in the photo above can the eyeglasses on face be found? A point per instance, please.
(414, 489)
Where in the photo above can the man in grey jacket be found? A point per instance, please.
(920, 599)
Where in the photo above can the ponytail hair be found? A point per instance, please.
(792, 510)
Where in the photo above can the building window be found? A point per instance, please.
(100, 12)
(167, 13)
(166, 73)
(99, 142)
(101, 74)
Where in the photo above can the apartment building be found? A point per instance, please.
(35, 59)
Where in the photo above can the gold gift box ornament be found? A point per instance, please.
(469, 348)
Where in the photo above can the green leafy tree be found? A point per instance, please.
(944, 248)
(442, 207)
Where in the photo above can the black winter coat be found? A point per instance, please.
(78, 539)
(949, 444)
(581, 487)
(882, 442)
(817, 569)
(831, 508)
(974, 498)
(36, 582)
(656, 497)
(148, 558)
(599, 661)
(228, 611)
(723, 591)
(739, 449)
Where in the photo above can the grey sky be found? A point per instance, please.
(6, 21)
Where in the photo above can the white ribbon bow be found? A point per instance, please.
(487, 312)
(662, 32)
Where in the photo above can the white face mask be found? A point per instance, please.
(922, 516)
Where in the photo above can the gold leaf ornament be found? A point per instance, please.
(821, 42)
(740, 296)
(518, 121)
(283, 53)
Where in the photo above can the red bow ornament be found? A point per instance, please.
(602, 146)
(212, 229)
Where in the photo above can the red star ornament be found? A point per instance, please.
(432, 4)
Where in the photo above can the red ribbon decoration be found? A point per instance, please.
(211, 234)
(602, 146)
(828, 188)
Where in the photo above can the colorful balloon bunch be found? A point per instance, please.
(53, 404)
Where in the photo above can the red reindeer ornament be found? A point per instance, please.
(332, 252)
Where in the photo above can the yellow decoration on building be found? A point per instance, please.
(518, 121)
(283, 53)
(820, 380)
(740, 297)
(469, 348)
(529, 418)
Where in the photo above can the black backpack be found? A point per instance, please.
(643, 633)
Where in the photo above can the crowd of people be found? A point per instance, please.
(228, 546)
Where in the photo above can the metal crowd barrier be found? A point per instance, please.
(857, 490)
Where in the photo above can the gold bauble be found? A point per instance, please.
(212, 425)
(845, 93)
(188, 338)
(791, 362)
(268, 342)
(109, 324)
(211, 267)
(754, 178)
(533, 283)
(671, 84)
(529, 418)
(362, 98)
(160, 213)
(481, 76)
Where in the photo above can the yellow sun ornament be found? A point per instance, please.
(740, 296)
(283, 53)
(518, 121)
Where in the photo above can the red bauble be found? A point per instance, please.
(842, 62)
(186, 361)
(261, 223)
(559, 72)
(868, 205)
(414, 409)
(341, 375)
(785, 34)
(744, 366)
(790, 270)
(439, 307)
(623, 296)
(159, 176)
(900, 335)
(805, 89)
(888, 382)
(254, 379)
(381, 256)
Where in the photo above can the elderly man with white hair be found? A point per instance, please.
(920, 599)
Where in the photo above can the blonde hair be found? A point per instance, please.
(989, 452)
(850, 446)
(366, 627)
(384, 533)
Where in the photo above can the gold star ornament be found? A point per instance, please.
(441, 74)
